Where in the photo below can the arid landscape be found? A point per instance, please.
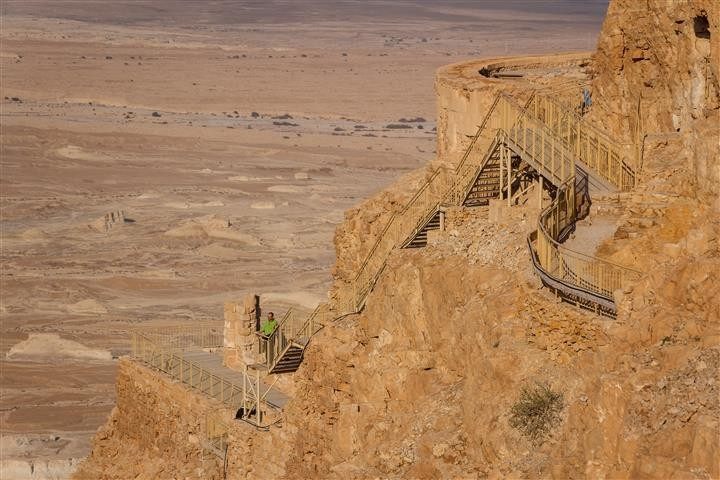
(161, 157)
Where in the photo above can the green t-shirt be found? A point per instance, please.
(268, 327)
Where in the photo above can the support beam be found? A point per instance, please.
(508, 158)
(502, 167)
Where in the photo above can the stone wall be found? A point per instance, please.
(464, 95)
(155, 431)
(241, 322)
(158, 430)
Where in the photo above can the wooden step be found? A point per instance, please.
(289, 361)
(485, 186)
(475, 195)
(472, 202)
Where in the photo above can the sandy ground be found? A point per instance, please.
(232, 136)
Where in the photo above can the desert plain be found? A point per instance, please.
(160, 157)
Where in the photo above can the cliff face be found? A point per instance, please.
(154, 431)
(657, 73)
(421, 384)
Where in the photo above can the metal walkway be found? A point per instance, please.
(212, 363)
(193, 365)
(542, 137)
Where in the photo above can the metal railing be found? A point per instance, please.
(586, 272)
(247, 397)
(296, 330)
(445, 185)
(185, 337)
(216, 436)
(605, 157)
(547, 135)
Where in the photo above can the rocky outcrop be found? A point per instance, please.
(420, 385)
(155, 431)
(657, 73)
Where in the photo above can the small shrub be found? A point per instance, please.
(537, 411)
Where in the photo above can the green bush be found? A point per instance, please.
(537, 411)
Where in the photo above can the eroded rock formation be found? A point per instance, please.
(657, 73)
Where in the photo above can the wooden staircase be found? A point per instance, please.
(486, 185)
(290, 358)
(419, 240)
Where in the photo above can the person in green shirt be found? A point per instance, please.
(267, 330)
(269, 326)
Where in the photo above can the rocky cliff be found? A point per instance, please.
(421, 385)
(657, 74)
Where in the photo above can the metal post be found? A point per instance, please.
(562, 169)
(577, 141)
(543, 161)
(509, 170)
(540, 191)
(258, 415)
(502, 166)
(244, 390)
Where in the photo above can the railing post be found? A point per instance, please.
(244, 390)
(502, 167)
(257, 398)
(577, 152)
(543, 159)
(508, 158)
(541, 182)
